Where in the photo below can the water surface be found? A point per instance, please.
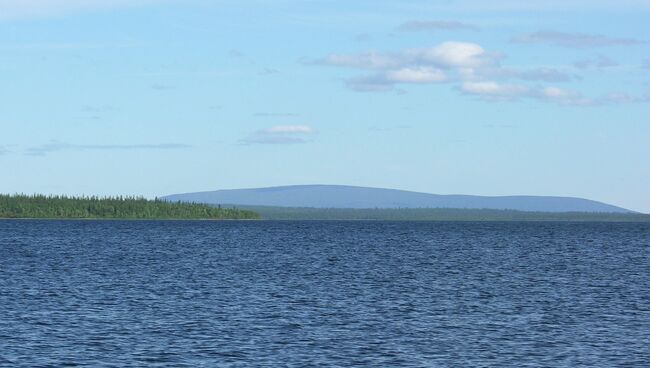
(295, 294)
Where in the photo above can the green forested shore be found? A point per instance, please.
(41, 206)
(437, 214)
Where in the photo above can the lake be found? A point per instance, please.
(330, 294)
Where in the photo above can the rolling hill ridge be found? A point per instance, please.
(342, 196)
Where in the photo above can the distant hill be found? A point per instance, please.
(341, 196)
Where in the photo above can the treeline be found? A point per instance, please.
(436, 214)
(41, 206)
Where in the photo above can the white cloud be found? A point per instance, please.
(453, 54)
(557, 93)
(281, 129)
(416, 75)
(492, 89)
(473, 69)
(414, 66)
(19, 9)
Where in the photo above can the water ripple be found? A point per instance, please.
(335, 294)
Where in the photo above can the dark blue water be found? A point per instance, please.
(297, 294)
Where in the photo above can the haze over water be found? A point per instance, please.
(392, 294)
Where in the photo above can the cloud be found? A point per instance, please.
(433, 65)
(472, 69)
(386, 81)
(544, 74)
(289, 129)
(539, 6)
(59, 146)
(435, 25)
(621, 97)
(450, 54)
(411, 66)
(600, 62)
(98, 108)
(369, 83)
(3, 150)
(574, 39)
(421, 74)
(21, 9)
(388, 128)
(280, 134)
(490, 89)
(161, 87)
(494, 91)
(276, 114)
(268, 71)
(367, 60)
(453, 54)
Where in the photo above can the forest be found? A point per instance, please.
(436, 214)
(93, 207)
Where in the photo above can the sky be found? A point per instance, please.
(154, 97)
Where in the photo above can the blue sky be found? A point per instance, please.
(472, 97)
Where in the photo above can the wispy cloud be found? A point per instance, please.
(98, 108)
(20, 9)
(435, 25)
(544, 75)
(565, 39)
(446, 55)
(386, 80)
(161, 87)
(541, 74)
(268, 71)
(599, 62)
(281, 134)
(491, 90)
(53, 46)
(539, 6)
(495, 91)
(60, 146)
(3, 150)
(276, 114)
(388, 128)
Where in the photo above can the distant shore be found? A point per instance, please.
(438, 214)
(112, 208)
(40, 207)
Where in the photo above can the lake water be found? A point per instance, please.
(303, 294)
